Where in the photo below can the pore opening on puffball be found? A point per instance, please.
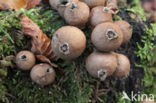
(64, 2)
(73, 6)
(49, 70)
(23, 57)
(111, 34)
(64, 49)
(102, 74)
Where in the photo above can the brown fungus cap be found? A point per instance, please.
(101, 65)
(56, 3)
(63, 5)
(43, 74)
(98, 15)
(107, 37)
(123, 68)
(25, 60)
(126, 30)
(94, 3)
(69, 42)
(77, 14)
(112, 5)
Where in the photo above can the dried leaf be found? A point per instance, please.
(18, 4)
(45, 60)
(41, 44)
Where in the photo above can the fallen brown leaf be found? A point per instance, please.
(41, 44)
(18, 4)
(45, 60)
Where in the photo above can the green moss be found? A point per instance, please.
(68, 88)
(146, 52)
(3, 92)
(137, 9)
(147, 56)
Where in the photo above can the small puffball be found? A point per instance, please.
(43, 74)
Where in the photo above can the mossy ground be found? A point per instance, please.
(76, 85)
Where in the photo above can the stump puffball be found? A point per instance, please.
(43, 74)
(69, 42)
(107, 36)
(25, 60)
(101, 65)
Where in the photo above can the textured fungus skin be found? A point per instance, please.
(25, 60)
(55, 4)
(112, 5)
(97, 62)
(126, 30)
(77, 14)
(61, 7)
(43, 74)
(107, 37)
(123, 68)
(69, 42)
(98, 15)
(94, 3)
